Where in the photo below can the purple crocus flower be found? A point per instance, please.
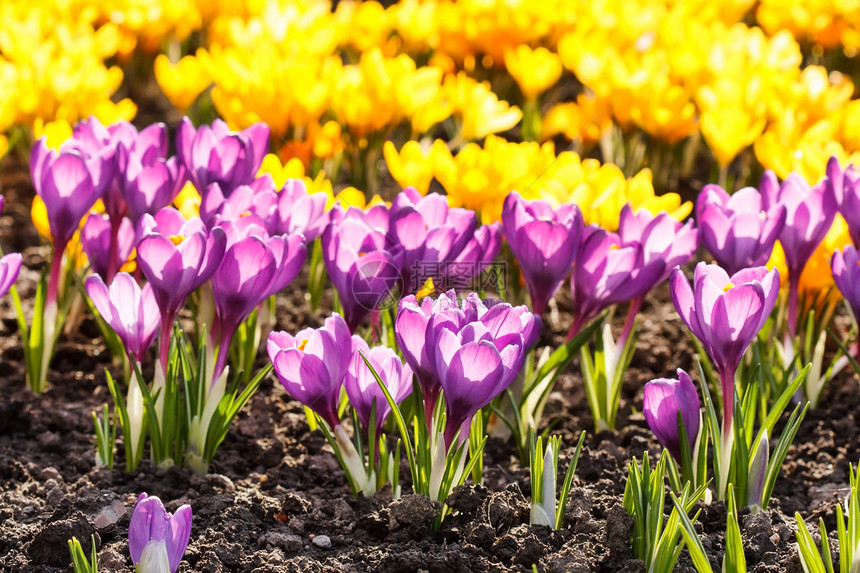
(431, 233)
(252, 269)
(415, 329)
(472, 371)
(96, 240)
(176, 257)
(664, 398)
(362, 266)
(809, 215)
(10, 266)
(726, 313)
(362, 388)
(218, 155)
(845, 266)
(130, 311)
(735, 229)
(312, 364)
(65, 184)
(607, 272)
(544, 240)
(156, 537)
(147, 188)
(479, 253)
(258, 200)
(298, 211)
(845, 188)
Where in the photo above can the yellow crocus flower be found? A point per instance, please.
(181, 82)
(535, 71)
(478, 109)
(412, 166)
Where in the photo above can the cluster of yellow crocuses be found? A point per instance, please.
(474, 94)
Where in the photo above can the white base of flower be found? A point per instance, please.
(354, 464)
(154, 559)
(437, 471)
(135, 409)
(198, 429)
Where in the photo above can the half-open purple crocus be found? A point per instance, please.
(131, 311)
(362, 265)
(312, 364)
(478, 254)
(363, 390)
(96, 240)
(65, 184)
(218, 155)
(157, 538)
(252, 269)
(608, 272)
(735, 229)
(415, 328)
(664, 399)
(431, 233)
(10, 266)
(176, 257)
(845, 188)
(472, 372)
(544, 240)
(845, 266)
(809, 213)
(726, 313)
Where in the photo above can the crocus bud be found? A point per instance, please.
(664, 399)
(312, 364)
(154, 533)
(726, 313)
(736, 229)
(544, 240)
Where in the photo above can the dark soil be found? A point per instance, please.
(276, 499)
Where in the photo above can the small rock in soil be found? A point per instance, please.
(322, 541)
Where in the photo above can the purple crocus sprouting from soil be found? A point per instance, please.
(363, 390)
(545, 241)
(664, 399)
(176, 257)
(131, 311)
(157, 539)
(845, 266)
(725, 313)
(312, 364)
(218, 155)
(809, 213)
(363, 266)
(735, 229)
(252, 269)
